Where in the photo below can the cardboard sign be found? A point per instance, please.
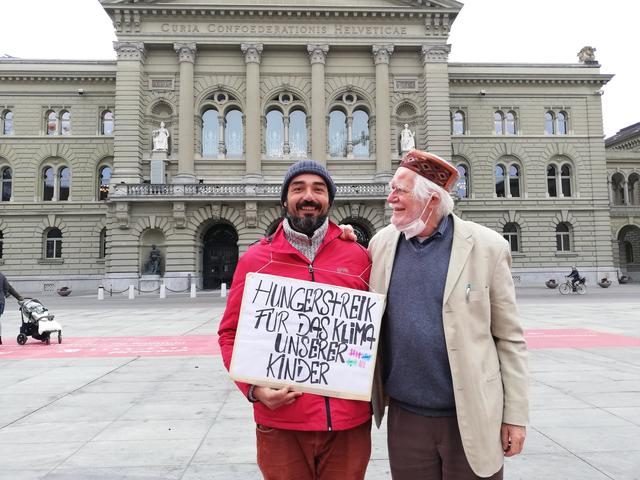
(316, 337)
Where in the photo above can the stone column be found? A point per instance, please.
(436, 92)
(625, 191)
(128, 133)
(381, 56)
(253, 132)
(610, 190)
(317, 57)
(186, 58)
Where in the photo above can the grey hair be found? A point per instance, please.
(423, 187)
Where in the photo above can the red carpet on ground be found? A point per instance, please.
(203, 345)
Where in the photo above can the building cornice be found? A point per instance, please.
(507, 78)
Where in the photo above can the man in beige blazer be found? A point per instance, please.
(452, 364)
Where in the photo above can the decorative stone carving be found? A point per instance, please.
(130, 50)
(435, 53)
(317, 53)
(122, 215)
(216, 211)
(179, 214)
(587, 55)
(186, 52)
(251, 214)
(355, 209)
(252, 52)
(382, 53)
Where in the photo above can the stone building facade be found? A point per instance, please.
(623, 177)
(244, 89)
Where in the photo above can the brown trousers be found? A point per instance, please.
(427, 448)
(300, 455)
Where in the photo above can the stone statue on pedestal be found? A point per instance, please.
(160, 138)
(152, 267)
(407, 139)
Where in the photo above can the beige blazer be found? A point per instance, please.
(485, 344)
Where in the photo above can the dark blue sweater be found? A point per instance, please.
(417, 373)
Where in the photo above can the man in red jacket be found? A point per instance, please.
(304, 436)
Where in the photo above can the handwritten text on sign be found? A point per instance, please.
(320, 338)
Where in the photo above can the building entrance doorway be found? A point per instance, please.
(220, 256)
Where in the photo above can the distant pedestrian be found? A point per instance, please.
(5, 290)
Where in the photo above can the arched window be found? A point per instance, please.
(7, 183)
(563, 237)
(298, 134)
(285, 122)
(65, 123)
(64, 182)
(234, 134)
(565, 179)
(102, 253)
(617, 185)
(275, 133)
(510, 127)
(552, 181)
(561, 121)
(360, 136)
(508, 180)
(498, 122)
(337, 133)
(48, 179)
(462, 184)
(549, 123)
(106, 123)
(210, 133)
(7, 122)
(53, 244)
(348, 134)
(511, 233)
(1, 243)
(458, 126)
(104, 174)
(51, 118)
(634, 188)
(500, 185)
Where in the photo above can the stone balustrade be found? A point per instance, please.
(122, 191)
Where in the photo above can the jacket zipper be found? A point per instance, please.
(326, 399)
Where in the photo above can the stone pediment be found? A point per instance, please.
(292, 4)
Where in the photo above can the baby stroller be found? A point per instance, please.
(37, 322)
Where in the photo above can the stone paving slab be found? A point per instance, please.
(146, 414)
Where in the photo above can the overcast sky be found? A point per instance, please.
(510, 31)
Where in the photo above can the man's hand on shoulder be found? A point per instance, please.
(275, 398)
(348, 233)
(512, 439)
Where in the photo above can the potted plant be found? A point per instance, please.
(64, 291)
(624, 279)
(604, 282)
(551, 283)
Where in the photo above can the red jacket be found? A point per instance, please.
(337, 262)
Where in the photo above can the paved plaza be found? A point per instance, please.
(137, 390)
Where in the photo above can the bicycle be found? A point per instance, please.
(567, 286)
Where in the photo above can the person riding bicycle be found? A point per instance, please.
(575, 277)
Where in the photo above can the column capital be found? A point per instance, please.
(130, 50)
(252, 52)
(382, 53)
(435, 53)
(317, 53)
(186, 52)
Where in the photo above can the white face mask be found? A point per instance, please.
(417, 226)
